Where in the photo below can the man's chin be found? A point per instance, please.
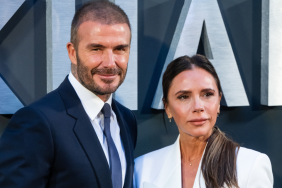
(106, 90)
(106, 86)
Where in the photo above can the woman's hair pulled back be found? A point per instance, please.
(184, 63)
(219, 160)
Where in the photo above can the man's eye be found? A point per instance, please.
(183, 97)
(96, 49)
(120, 49)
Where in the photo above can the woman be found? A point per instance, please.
(201, 156)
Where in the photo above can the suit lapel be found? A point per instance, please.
(86, 134)
(89, 141)
(127, 144)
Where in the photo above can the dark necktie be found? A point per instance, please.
(113, 153)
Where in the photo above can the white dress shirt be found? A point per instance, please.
(93, 105)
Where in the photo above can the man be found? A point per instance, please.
(78, 135)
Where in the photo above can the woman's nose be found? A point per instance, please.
(198, 105)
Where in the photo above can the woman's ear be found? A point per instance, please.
(167, 110)
(220, 95)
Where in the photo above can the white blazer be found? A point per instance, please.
(162, 169)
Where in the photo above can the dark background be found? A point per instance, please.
(257, 127)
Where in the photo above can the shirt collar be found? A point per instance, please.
(92, 103)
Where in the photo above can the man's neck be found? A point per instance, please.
(102, 97)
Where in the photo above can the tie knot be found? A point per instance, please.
(106, 110)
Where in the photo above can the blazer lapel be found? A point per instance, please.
(170, 173)
(175, 179)
(149, 185)
(199, 180)
(86, 134)
(127, 144)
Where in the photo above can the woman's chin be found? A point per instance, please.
(199, 132)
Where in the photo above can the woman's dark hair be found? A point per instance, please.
(219, 160)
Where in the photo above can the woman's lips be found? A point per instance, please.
(198, 121)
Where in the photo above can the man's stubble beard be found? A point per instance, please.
(85, 77)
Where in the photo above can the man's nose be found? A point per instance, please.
(108, 58)
(198, 105)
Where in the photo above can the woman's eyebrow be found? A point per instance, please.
(183, 91)
(208, 89)
(187, 91)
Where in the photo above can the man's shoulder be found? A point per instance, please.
(54, 99)
(126, 112)
(121, 107)
(47, 106)
(51, 100)
(128, 117)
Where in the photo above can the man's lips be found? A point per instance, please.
(198, 121)
(108, 76)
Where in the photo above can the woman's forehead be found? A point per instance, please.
(196, 78)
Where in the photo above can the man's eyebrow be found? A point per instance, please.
(93, 45)
(183, 91)
(122, 46)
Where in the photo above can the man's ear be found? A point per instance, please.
(72, 53)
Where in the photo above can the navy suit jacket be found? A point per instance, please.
(51, 143)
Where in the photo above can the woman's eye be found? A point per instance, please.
(208, 94)
(183, 97)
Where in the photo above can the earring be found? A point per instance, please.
(169, 118)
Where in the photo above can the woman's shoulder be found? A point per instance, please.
(152, 158)
(246, 151)
(248, 157)
(253, 168)
(147, 166)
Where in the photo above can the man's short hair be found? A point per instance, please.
(101, 11)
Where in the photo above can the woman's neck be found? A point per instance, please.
(191, 148)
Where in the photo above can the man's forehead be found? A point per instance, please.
(92, 26)
(101, 22)
(95, 32)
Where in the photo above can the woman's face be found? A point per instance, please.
(193, 102)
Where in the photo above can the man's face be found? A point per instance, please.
(102, 55)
